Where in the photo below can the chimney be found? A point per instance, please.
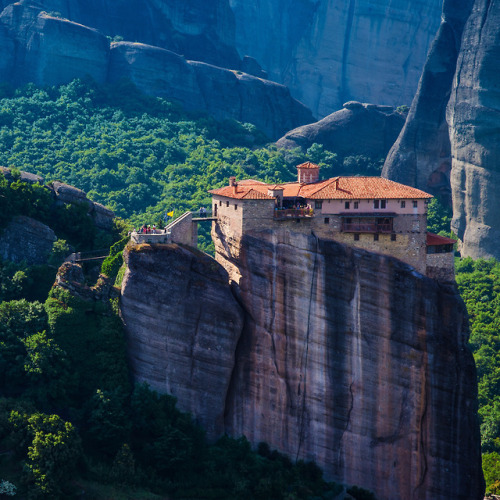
(307, 173)
(336, 183)
(232, 181)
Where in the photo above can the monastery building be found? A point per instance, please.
(372, 213)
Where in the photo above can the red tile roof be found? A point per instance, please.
(307, 164)
(242, 193)
(337, 188)
(435, 239)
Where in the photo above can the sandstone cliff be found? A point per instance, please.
(328, 53)
(448, 145)
(421, 156)
(357, 129)
(183, 327)
(47, 48)
(334, 354)
(473, 116)
(202, 87)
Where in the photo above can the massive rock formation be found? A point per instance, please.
(457, 151)
(183, 326)
(199, 86)
(421, 156)
(198, 30)
(357, 129)
(345, 357)
(474, 121)
(328, 53)
(43, 47)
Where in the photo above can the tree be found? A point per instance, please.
(54, 449)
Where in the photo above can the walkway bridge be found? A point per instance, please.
(93, 255)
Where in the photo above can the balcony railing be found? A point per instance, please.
(366, 227)
(292, 213)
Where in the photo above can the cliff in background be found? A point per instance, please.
(449, 143)
(51, 47)
(474, 122)
(325, 53)
(328, 53)
(325, 352)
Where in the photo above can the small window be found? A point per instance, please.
(215, 209)
(347, 205)
(356, 205)
(415, 204)
(220, 203)
(375, 237)
(375, 203)
(383, 203)
(393, 237)
(227, 203)
(236, 206)
(403, 204)
(327, 220)
(356, 237)
(318, 204)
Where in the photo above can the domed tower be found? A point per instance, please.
(308, 173)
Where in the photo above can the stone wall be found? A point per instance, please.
(150, 237)
(441, 266)
(238, 217)
(183, 230)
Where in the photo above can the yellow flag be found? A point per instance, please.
(170, 214)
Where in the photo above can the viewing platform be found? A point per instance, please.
(293, 213)
(182, 230)
(161, 236)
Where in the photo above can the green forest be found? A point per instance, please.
(70, 419)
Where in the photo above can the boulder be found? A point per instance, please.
(26, 239)
(358, 129)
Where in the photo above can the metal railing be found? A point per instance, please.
(285, 213)
(201, 215)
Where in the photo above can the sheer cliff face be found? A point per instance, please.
(328, 53)
(421, 156)
(345, 357)
(449, 143)
(45, 43)
(183, 325)
(473, 116)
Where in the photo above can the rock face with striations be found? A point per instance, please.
(421, 156)
(328, 53)
(357, 129)
(345, 357)
(199, 86)
(183, 326)
(449, 143)
(474, 121)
